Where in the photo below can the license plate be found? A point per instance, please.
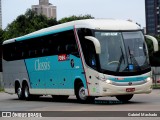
(130, 89)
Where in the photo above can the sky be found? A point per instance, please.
(118, 9)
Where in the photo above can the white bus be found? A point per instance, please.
(87, 58)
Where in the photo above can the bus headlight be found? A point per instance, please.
(104, 80)
(148, 79)
(108, 81)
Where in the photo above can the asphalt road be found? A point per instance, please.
(141, 102)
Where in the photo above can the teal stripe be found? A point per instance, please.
(59, 75)
(44, 33)
(134, 79)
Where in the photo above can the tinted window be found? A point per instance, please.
(60, 43)
(88, 48)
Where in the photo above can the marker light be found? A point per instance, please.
(108, 81)
(148, 79)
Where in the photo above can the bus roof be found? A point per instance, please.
(98, 24)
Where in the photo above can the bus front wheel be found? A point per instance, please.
(124, 98)
(81, 96)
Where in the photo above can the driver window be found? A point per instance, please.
(88, 48)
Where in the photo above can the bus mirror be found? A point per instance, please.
(154, 40)
(95, 42)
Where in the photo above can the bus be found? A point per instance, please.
(85, 58)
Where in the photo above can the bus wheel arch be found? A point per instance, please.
(77, 82)
(80, 92)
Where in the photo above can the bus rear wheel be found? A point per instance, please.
(81, 96)
(20, 93)
(27, 95)
(124, 98)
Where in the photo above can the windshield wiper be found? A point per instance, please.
(120, 60)
(133, 60)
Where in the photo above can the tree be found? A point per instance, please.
(73, 17)
(1, 36)
(30, 22)
(27, 23)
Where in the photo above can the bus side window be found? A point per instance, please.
(58, 49)
(29, 53)
(69, 48)
(8, 52)
(23, 54)
(42, 51)
(11, 56)
(72, 49)
(13, 51)
(61, 49)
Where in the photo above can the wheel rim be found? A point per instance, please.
(19, 92)
(82, 94)
(26, 92)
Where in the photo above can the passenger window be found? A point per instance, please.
(54, 44)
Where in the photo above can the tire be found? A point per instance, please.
(124, 98)
(60, 97)
(27, 94)
(81, 97)
(20, 93)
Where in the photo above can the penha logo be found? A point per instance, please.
(40, 66)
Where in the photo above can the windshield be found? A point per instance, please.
(122, 51)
